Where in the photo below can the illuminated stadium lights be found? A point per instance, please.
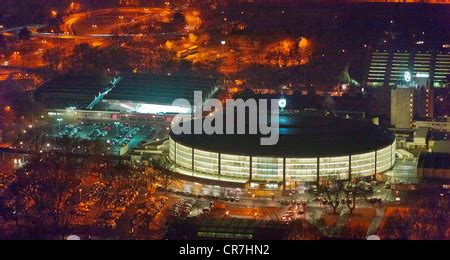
(157, 109)
(272, 169)
(310, 148)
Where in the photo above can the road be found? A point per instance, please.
(120, 18)
(193, 21)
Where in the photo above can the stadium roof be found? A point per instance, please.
(159, 89)
(303, 135)
(79, 92)
(71, 91)
(434, 161)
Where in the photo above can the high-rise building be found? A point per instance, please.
(402, 107)
(424, 103)
(410, 103)
(387, 68)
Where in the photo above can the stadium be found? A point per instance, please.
(311, 148)
(130, 94)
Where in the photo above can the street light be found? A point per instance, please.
(117, 128)
(253, 200)
(59, 124)
(442, 199)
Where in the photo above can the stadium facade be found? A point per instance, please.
(310, 149)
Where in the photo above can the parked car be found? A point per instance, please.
(387, 185)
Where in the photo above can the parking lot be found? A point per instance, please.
(118, 137)
(100, 206)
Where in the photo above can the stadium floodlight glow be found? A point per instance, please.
(156, 109)
(129, 108)
(282, 103)
(407, 76)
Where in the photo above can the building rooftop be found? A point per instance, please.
(302, 135)
(422, 132)
(434, 161)
(71, 91)
(79, 92)
(228, 228)
(160, 89)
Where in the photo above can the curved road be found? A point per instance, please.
(146, 13)
(193, 21)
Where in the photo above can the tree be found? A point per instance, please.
(85, 59)
(53, 58)
(24, 34)
(119, 173)
(332, 189)
(398, 226)
(2, 41)
(162, 167)
(417, 223)
(151, 177)
(440, 217)
(115, 58)
(178, 18)
(44, 191)
(35, 138)
(353, 232)
(19, 191)
(351, 191)
(96, 150)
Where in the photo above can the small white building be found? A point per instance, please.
(421, 137)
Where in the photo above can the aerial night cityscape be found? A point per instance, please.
(224, 120)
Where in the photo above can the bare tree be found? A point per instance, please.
(44, 189)
(34, 138)
(351, 191)
(332, 188)
(117, 173)
(162, 166)
(398, 226)
(53, 58)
